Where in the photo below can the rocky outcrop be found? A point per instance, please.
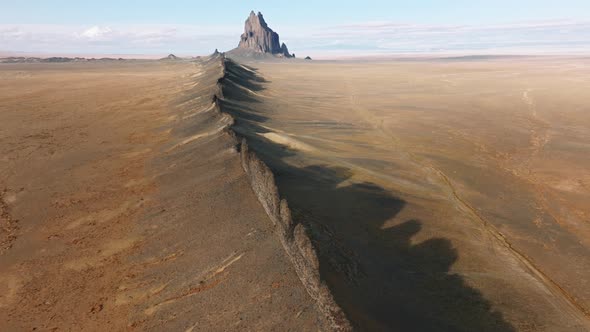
(294, 239)
(307, 58)
(258, 37)
(285, 50)
(170, 57)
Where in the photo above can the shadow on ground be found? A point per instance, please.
(382, 280)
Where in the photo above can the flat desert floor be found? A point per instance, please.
(441, 194)
(124, 206)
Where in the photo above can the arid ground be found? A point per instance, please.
(439, 194)
(442, 194)
(124, 206)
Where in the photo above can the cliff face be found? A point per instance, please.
(260, 38)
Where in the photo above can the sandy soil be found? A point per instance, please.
(123, 206)
(441, 195)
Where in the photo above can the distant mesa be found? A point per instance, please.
(52, 60)
(259, 38)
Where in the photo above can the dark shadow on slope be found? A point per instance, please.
(382, 280)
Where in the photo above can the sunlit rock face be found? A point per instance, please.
(260, 38)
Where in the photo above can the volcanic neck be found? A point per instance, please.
(260, 38)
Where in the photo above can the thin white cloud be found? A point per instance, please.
(97, 32)
(117, 39)
(540, 37)
(11, 33)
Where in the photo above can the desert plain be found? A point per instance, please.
(440, 194)
(443, 194)
(124, 205)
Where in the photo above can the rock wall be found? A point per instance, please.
(293, 237)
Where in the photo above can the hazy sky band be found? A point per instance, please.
(326, 28)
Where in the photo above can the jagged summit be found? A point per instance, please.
(259, 38)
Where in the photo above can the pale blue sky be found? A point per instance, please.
(301, 12)
(314, 27)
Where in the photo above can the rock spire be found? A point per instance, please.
(258, 37)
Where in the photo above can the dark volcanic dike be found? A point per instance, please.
(293, 237)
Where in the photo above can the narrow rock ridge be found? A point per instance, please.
(293, 237)
(258, 37)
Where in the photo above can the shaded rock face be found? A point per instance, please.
(260, 38)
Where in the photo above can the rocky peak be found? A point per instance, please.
(284, 49)
(260, 38)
